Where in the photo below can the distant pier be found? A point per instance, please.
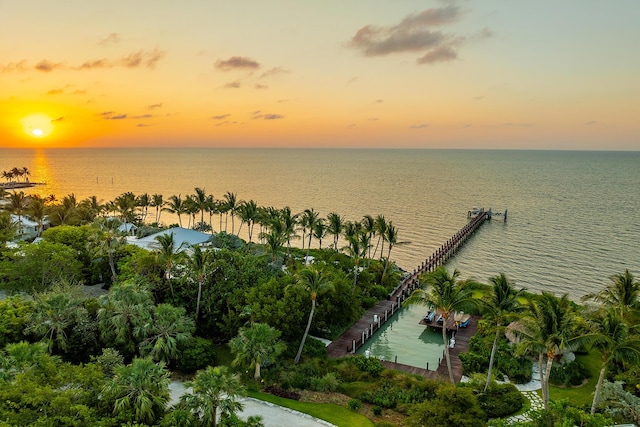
(16, 185)
(355, 337)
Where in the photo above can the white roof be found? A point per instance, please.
(183, 237)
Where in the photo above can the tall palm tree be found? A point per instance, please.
(175, 205)
(143, 202)
(18, 203)
(200, 200)
(335, 224)
(213, 388)
(550, 327)
(256, 345)
(198, 263)
(369, 228)
(141, 388)
(391, 236)
(231, 205)
(248, 212)
(622, 293)
(37, 211)
(170, 327)
(168, 254)
(8, 228)
(501, 303)
(274, 240)
(211, 206)
(314, 281)
(356, 249)
(157, 202)
(617, 343)
(125, 205)
(380, 230)
(106, 238)
(447, 294)
(289, 222)
(310, 218)
(319, 231)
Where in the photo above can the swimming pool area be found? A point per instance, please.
(402, 337)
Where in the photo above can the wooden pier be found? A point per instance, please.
(354, 337)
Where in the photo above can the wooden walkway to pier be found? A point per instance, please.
(354, 337)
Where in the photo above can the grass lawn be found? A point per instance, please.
(335, 414)
(583, 395)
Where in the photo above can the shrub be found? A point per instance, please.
(370, 365)
(569, 374)
(377, 411)
(354, 405)
(328, 383)
(501, 400)
(196, 353)
(277, 391)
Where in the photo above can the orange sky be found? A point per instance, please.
(367, 73)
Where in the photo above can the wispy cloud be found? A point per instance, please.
(57, 119)
(237, 63)
(48, 66)
(266, 116)
(420, 126)
(591, 123)
(260, 86)
(154, 106)
(148, 59)
(14, 66)
(232, 85)
(220, 116)
(274, 72)
(112, 38)
(415, 33)
(110, 115)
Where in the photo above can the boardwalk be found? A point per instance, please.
(354, 337)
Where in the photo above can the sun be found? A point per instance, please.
(37, 125)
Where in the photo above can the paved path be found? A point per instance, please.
(272, 415)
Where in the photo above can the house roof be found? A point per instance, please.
(183, 237)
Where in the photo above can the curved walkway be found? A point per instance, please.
(530, 392)
(272, 415)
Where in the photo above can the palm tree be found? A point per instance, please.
(168, 254)
(175, 205)
(125, 205)
(8, 228)
(170, 328)
(380, 228)
(200, 200)
(289, 222)
(334, 226)
(231, 207)
(255, 346)
(447, 294)
(356, 249)
(391, 236)
(212, 389)
(614, 338)
(124, 312)
(501, 303)
(106, 238)
(274, 240)
(249, 213)
(549, 328)
(622, 293)
(143, 201)
(141, 388)
(191, 208)
(198, 263)
(18, 203)
(37, 211)
(315, 282)
(157, 202)
(369, 228)
(55, 312)
(319, 231)
(310, 217)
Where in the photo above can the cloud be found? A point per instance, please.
(110, 115)
(591, 123)
(55, 91)
(261, 86)
(268, 116)
(154, 106)
(415, 33)
(14, 66)
(141, 58)
(233, 85)
(274, 72)
(142, 116)
(439, 54)
(48, 66)
(118, 117)
(220, 116)
(143, 125)
(420, 126)
(112, 38)
(237, 63)
(378, 101)
(58, 119)
(95, 63)
(477, 98)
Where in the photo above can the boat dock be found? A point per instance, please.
(362, 330)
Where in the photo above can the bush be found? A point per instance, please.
(370, 365)
(354, 405)
(501, 400)
(314, 348)
(287, 394)
(377, 411)
(569, 374)
(328, 383)
(196, 353)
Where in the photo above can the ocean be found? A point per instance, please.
(573, 217)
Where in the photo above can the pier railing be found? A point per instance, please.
(355, 337)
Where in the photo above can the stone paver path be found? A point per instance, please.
(536, 404)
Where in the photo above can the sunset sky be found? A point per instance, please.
(297, 73)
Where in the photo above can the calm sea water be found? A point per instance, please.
(574, 217)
